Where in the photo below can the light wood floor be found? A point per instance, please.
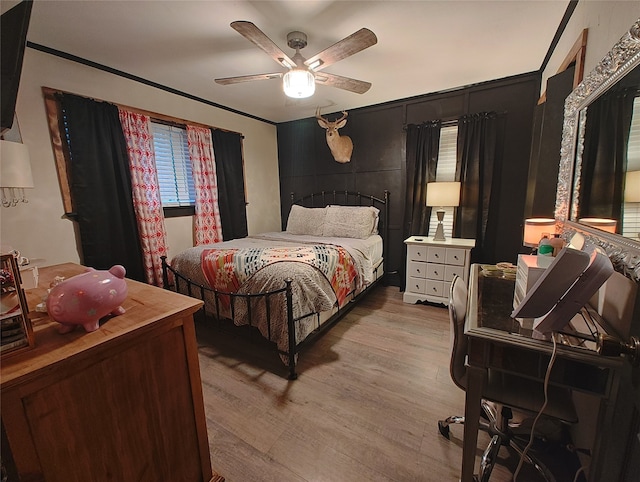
(365, 406)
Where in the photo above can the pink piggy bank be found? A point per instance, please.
(85, 298)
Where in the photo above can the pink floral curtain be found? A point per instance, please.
(208, 228)
(146, 192)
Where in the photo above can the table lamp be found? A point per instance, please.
(632, 187)
(15, 172)
(534, 228)
(605, 224)
(440, 195)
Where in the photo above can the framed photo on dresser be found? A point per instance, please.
(16, 333)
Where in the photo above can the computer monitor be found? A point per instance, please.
(566, 286)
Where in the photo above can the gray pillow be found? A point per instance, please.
(308, 221)
(351, 221)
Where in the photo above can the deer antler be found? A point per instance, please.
(344, 116)
(318, 116)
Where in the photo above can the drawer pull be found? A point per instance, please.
(434, 289)
(436, 255)
(455, 256)
(435, 273)
(417, 270)
(417, 287)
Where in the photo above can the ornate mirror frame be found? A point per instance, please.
(624, 56)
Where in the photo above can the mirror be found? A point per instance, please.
(618, 70)
(608, 162)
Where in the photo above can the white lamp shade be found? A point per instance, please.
(441, 194)
(15, 165)
(534, 228)
(632, 187)
(298, 83)
(605, 224)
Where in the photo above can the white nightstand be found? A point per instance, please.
(431, 266)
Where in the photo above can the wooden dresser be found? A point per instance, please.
(122, 403)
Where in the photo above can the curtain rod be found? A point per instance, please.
(154, 115)
(453, 121)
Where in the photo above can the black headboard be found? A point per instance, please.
(348, 198)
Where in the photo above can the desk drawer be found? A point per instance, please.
(417, 253)
(417, 285)
(455, 256)
(417, 269)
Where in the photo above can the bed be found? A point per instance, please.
(291, 285)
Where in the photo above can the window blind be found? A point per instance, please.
(173, 165)
(631, 210)
(445, 171)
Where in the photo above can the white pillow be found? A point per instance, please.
(351, 221)
(308, 221)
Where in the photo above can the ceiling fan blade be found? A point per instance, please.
(247, 78)
(346, 47)
(345, 83)
(249, 31)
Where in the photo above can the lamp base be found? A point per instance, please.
(440, 228)
(439, 233)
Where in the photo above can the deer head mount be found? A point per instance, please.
(341, 146)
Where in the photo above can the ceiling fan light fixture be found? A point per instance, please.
(299, 83)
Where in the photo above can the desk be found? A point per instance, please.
(498, 342)
(121, 403)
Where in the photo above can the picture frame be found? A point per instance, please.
(16, 332)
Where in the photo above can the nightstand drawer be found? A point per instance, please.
(436, 254)
(417, 253)
(455, 256)
(450, 271)
(435, 271)
(417, 269)
(417, 285)
(435, 288)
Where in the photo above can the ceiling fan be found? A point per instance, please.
(303, 73)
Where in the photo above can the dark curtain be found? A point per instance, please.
(423, 142)
(476, 169)
(100, 185)
(227, 149)
(604, 159)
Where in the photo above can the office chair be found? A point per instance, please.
(503, 394)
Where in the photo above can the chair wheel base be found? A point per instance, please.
(443, 427)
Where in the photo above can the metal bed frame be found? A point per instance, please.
(321, 199)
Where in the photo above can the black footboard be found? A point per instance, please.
(175, 281)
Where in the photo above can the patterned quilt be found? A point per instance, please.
(228, 269)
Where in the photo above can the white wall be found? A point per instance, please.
(607, 21)
(38, 230)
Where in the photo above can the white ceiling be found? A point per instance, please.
(423, 46)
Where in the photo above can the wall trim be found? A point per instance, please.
(135, 78)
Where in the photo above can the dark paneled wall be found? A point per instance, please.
(544, 162)
(378, 161)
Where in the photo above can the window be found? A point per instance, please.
(173, 165)
(446, 171)
(631, 210)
